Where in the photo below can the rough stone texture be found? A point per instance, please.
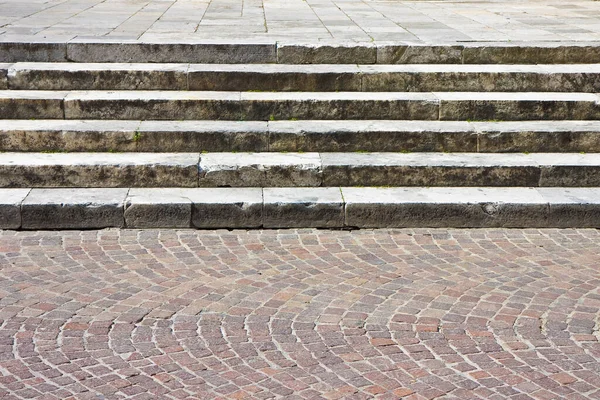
(569, 170)
(99, 170)
(69, 136)
(79, 76)
(573, 207)
(227, 208)
(30, 50)
(203, 136)
(429, 169)
(303, 208)
(336, 136)
(416, 53)
(259, 170)
(3, 74)
(538, 136)
(73, 208)
(448, 207)
(31, 104)
(531, 53)
(517, 106)
(310, 78)
(217, 52)
(339, 106)
(324, 53)
(10, 207)
(153, 105)
(158, 208)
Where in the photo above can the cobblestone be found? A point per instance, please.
(415, 314)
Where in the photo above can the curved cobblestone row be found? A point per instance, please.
(489, 314)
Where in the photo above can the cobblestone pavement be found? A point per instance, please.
(490, 314)
(353, 20)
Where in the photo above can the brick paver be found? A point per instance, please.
(312, 20)
(419, 314)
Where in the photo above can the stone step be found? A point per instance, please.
(21, 170)
(347, 207)
(312, 78)
(299, 136)
(264, 106)
(270, 51)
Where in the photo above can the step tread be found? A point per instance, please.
(334, 207)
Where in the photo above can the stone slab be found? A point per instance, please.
(303, 208)
(3, 76)
(260, 169)
(74, 208)
(418, 53)
(573, 207)
(326, 53)
(226, 208)
(108, 76)
(444, 207)
(569, 169)
(10, 207)
(223, 51)
(158, 208)
(21, 104)
(32, 50)
(98, 169)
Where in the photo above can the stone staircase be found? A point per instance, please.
(249, 136)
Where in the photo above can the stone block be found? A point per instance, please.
(326, 53)
(10, 207)
(231, 208)
(22, 104)
(32, 51)
(158, 208)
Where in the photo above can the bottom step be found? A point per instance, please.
(353, 207)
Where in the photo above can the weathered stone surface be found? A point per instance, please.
(418, 53)
(303, 208)
(531, 53)
(99, 170)
(573, 207)
(538, 136)
(223, 51)
(203, 136)
(429, 169)
(334, 136)
(110, 76)
(153, 105)
(481, 78)
(10, 207)
(268, 77)
(20, 104)
(517, 106)
(342, 105)
(259, 169)
(73, 208)
(227, 207)
(32, 51)
(158, 208)
(3, 76)
(568, 169)
(444, 207)
(326, 53)
(65, 135)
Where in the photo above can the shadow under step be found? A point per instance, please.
(311, 78)
(299, 136)
(265, 106)
(21, 170)
(347, 207)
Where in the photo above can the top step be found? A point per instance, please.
(264, 52)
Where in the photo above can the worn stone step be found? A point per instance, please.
(298, 52)
(264, 106)
(347, 207)
(315, 78)
(297, 136)
(21, 170)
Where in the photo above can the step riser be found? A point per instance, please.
(297, 208)
(294, 170)
(290, 53)
(224, 106)
(178, 78)
(267, 139)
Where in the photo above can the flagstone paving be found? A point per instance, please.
(420, 314)
(312, 20)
